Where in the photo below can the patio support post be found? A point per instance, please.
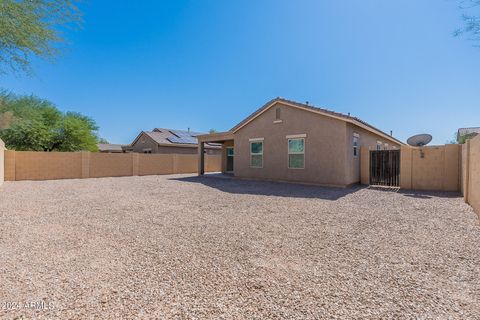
(201, 158)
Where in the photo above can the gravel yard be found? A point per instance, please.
(188, 247)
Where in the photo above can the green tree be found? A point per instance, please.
(74, 132)
(29, 135)
(33, 28)
(37, 125)
(471, 26)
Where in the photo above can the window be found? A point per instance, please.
(386, 146)
(355, 145)
(230, 152)
(256, 154)
(296, 153)
(379, 145)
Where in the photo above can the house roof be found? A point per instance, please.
(110, 147)
(174, 137)
(465, 131)
(325, 112)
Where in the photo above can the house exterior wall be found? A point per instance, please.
(325, 144)
(225, 145)
(367, 140)
(144, 142)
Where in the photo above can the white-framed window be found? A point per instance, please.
(296, 153)
(355, 144)
(386, 146)
(379, 145)
(256, 153)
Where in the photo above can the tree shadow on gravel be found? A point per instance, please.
(265, 188)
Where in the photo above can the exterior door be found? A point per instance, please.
(230, 155)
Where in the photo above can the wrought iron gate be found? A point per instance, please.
(385, 168)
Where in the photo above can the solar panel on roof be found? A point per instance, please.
(180, 133)
(182, 140)
(183, 133)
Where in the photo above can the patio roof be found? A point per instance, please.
(216, 137)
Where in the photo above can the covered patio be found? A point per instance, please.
(224, 138)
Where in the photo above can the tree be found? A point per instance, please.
(212, 131)
(33, 28)
(31, 123)
(74, 132)
(472, 22)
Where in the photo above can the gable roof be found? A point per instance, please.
(173, 137)
(467, 131)
(339, 116)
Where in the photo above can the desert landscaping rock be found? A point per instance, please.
(181, 247)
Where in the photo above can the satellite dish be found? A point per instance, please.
(419, 140)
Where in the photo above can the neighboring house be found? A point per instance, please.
(289, 141)
(111, 148)
(467, 133)
(168, 141)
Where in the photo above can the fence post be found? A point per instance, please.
(406, 167)
(467, 172)
(10, 165)
(85, 164)
(364, 165)
(135, 163)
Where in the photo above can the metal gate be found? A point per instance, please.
(385, 168)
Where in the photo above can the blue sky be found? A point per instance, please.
(136, 65)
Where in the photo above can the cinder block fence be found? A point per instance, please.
(2, 160)
(29, 165)
(470, 173)
(444, 168)
(437, 168)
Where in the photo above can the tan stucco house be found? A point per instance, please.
(290, 141)
(170, 141)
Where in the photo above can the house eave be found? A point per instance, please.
(346, 119)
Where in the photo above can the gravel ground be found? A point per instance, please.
(187, 247)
